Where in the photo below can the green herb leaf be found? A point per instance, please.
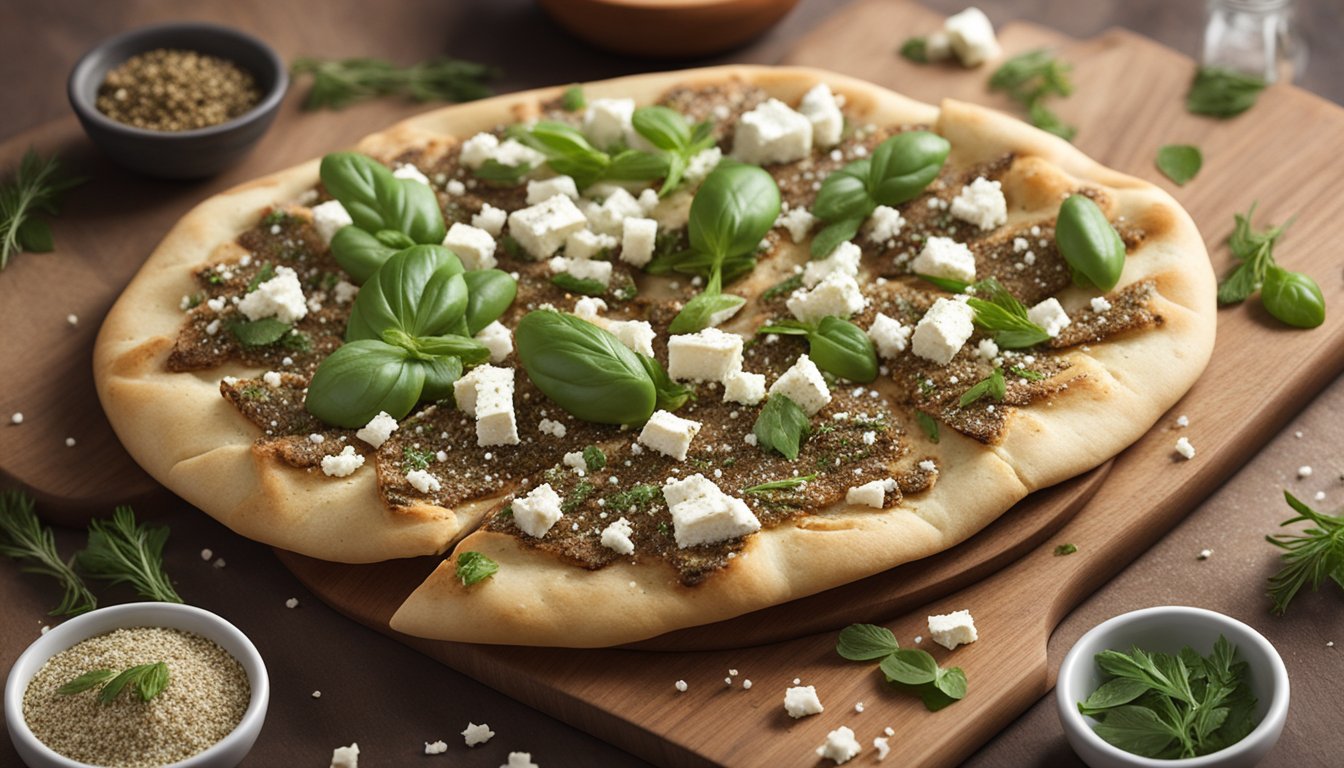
(259, 333)
(670, 132)
(359, 253)
(948, 284)
(635, 497)
(863, 642)
(1137, 730)
(1044, 118)
(266, 272)
(338, 83)
(490, 293)
(781, 427)
(668, 394)
(1007, 317)
(992, 386)
(122, 552)
(36, 186)
(916, 49)
(1309, 556)
(474, 567)
(832, 235)
(584, 369)
(594, 458)
(1222, 93)
(91, 679)
(1088, 242)
(153, 680)
(24, 538)
(572, 100)
(786, 484)
(910, 666)
(377, 201)
(1026, 373)
(784, 287)
(420, 291)
(35, 236)
(951, 682)
(1029, 79)
(927, 423)
(582, 286)
(1293, 298)
(1113, 693)
(1179, 162)
(362, 378)
(1065, 549)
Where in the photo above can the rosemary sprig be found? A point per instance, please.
(36, 187)
(23, 537)
(1310, 556)
(122, 552)
(337, 83)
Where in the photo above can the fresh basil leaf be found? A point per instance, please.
(842, 348)
(572, 100)
(393, 239)
(663, 127)
(377, 200)
(440, 374)
(668, 394)
(1088, 242)
(359, 253)
(259, 333)
(468, 350)
(584, 369)
(909, 666)
(781, 427)
(584, 286)
(505, 175)
(863, 642)
(86, 681)
(568, 152)
(1179, 162)
(1293, 298)
(34, 236)
(951, 682)
(633, 165)
(1137, 730)
(903, 165)
(1044, 118)
(474, 567)
(1239, 285)
(1113, 693)
(734, 209)
(786, 328)
(832, 235)
(934, 699)
(362, 378)
(845, 193)
(992, 386)
(927, 423)
(704, 311)
(490, 293)
(916, 49)
(420, 291)
(1222, 93)
(784, 287)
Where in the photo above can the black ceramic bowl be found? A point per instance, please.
(179, 154)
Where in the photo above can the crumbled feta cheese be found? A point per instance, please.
(840, 746)
(616, 537)
(617, 206)
(844, 259)
(987, 349)
(219, 562)
(423, 481)
(520, 760)
(292, 603)
(798, 221)
(280, 297)
(1304, 471)
(837, 294)
(271, 378)
(515, 154)
(490, 219)
(16, 419)
(703, 514)
(73, 320)
(943, 330)
(669, 434)
(743, 387)
(409, 172)
(541, 190)
(883, 748)
(971, 37)
(952, 629)
(681, 686)
(772, 133)
(345, 757)
(345, 292)
(637, 240)
(478, 149)
(819, 107)
(588, 308)
(708, 355)
(455, 188)
(317, 438)
(884, 224)
(946, 258)
(435, 747)
(551, 427)
(343, 464)
(317, 694)
(498, 339)
(858, 707)
(701, 164)
(928, 466)
(1100, 304)
(542, 228)
(871, 494)
(801, 701)
(379, 428)
(981, 203)
(583, 269)
(607, 122)
(574, 460)
(329, 218)
(636, 335)
(586, 245)
(889, 336)
(1050, 315)
(803, 384)
(477, 734)
(69, 442)
(535, 513)
(474, 246)
(1182, 421)
(1205, 554)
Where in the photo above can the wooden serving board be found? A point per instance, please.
(1128, 104)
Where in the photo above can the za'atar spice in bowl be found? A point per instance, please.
(138, 686)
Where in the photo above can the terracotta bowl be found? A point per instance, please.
(667, 28)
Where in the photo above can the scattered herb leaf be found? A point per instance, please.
(781, 426)
(147, 680)
(992, 386)
(928, 424)
(36, 187)
(259, 333)
(1029, 79)
(474, 567)
(584, 286)
(594, 458)
(1065, 549)
(1222, 93)
(337, 83)
(123, 552)
(916, 49)
(1292, 297)
(573, 99)
(23, 537)
(1179, 162)
(786, 484)
(865, 642)
(1310, 556)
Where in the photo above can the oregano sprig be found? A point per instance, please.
(1292, 297)
(35, 188)
(1029, 79)
(907, 669)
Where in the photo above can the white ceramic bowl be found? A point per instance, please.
(227, 753)
(1167, 629)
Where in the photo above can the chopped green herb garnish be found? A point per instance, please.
(575, 499)
(992, 386)
(474, 567)
(786, 286)
(1309, 557)
(928, 424)
(780, 485)
(1029, 79)
(24, 538)
(584, 286)
(594, 458)
(338, 83)
(573, 99)
(916, 49)
(264, 273)
(1065, 549)
(413, 459)
(636, 497)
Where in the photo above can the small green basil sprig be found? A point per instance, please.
(671, 132)
(568, 152)
(899, 169)
(835, 344)
(1291, 297)
(1088, 242)
(731, 213)
(588, 371)
(906, 669)
(1004, 316)
(409, 336)
(389, 214)
(781, 426)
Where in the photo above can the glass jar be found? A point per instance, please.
(1255, 37)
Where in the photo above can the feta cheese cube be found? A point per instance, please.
(1185, 448)
(981, 203)
(971, 37)
(987, 349)
(423, 481)
(520, 760)
(840, 746)
(1100, 304)
(709, 355)
(498, 339)
(272, 378)
(745, 388)
(837, 294)
(819, 107)
(542, 228)
(608, 217)
(490, 219)
(1050, 315)
(616, 537)
(436, 747)
(946, 258)
(541, 190)
(943, 330)
(703, 514)
(535, 513)
(473, 246)
(328, 218)
(885, 224)
(477, 734)
(952, 629)
(583, 269)
(516, 154)
(607, 122)
(702, 164)
(772, 133)
(669, 434)
(378, 430)
(801, 701)
(344, 757)
(844, 260)
(586, 245)
(802, 383)
(478, 149)
(798, 221)
(872, 494)
(486, 394)
(280, 297)
(410, 173)
(342, 464)
(638, 237)
(889, 336)
(637, 335)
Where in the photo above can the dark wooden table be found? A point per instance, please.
(391, 699)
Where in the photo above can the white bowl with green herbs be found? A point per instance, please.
(166, 683)
(1172, 687)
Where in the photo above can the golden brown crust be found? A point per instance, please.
(1117, 394)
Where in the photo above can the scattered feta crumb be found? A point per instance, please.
(728, 681)
(953, 629)
(219, 562)
(882, 747)
(423, 481)
(435, 747)
(345, 757)
(72, 319)
(681, 686)
(801, 701)
(520, 760)
(272, 378)
(1182, 421)
(1329, 643)
(342, 464)
(858, 707)
(477, 734)
(378, 430)
(1320, 496)
(44, 630)
(69, 442)
(1184, 448)
(1100, 304)
(1205, 554)
(292, 602)
(746, 684)
(840, 746)
(17, 418)
(889, 730)
(207, 554)
(1304, 471)
(733, 672)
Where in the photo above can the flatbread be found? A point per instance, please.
(179, 428)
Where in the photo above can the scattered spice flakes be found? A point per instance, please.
(176, 90)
